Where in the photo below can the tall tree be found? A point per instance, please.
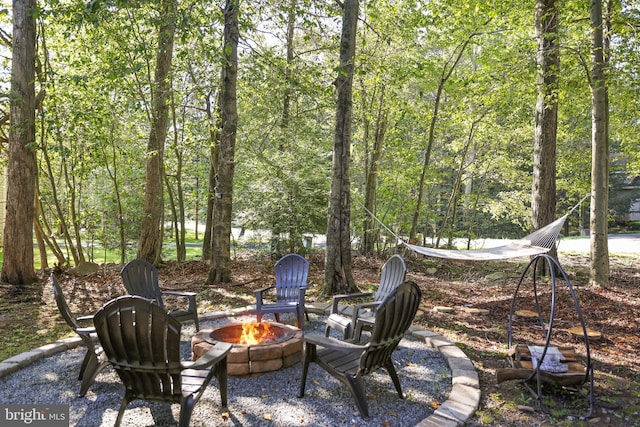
(543, 194)
(447, 70)
(599, 265)
(338, 275)
(17, 267)
(220, 270)
(150, 244)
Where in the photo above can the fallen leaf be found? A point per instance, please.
(267, 417)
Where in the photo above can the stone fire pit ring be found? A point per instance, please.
(251, 360)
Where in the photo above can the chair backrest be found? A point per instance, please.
(291, 274)
(394, 271)
(141, 278)
(142, 343)
(393, 318)
(61, 302)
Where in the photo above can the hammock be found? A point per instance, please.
(536, 243)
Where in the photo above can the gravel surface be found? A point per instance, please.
(268, 400)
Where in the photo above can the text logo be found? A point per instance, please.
(34, 415)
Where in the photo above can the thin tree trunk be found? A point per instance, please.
(150, 244)
(112, 170)
(220, 270)
(451, 63)
(371, 170)
(338, 277)
(455, 191)
(17, 267)
(599, 265)
(215, 124)
(543, 193)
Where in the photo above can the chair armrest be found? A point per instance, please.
(211, 357)
(338, 298)
(258, 293)
(191, 296)
(86, 331)
(180, 293)
(358, 308)
(334, 344)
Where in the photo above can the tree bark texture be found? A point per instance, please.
(215, 124)
(17, 267)
(338, 274)
(150, 244)
(599, 266)
(543, 192)
(220, 270)
(371, 170)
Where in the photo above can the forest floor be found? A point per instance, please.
(31, 319)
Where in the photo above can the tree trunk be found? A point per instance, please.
(371, 170)
(150, 244)
(17, 267)
(220, 270)
(214, 140)
(543, 192)
(111, 165)
(599, 265)
(338, 277)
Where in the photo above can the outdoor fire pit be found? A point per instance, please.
(257, 347)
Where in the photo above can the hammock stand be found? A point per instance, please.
(523, 366)
(535, 245)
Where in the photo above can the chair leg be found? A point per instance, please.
(221, 375)
(125, 401)
(309, 353)
(300, 318)
(186, 408)
(85, 363)
(394, 377)
(197, 322)
(357, 390)
(91, 370)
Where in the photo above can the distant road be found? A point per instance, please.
(618, 244)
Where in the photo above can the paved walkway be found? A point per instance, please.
(461, 404)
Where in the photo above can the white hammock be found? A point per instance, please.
(538, 242)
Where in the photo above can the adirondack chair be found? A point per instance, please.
(291, 284)
(352, 320)
(142, 343)
(94, 359)
(141, 278)
(348, 361)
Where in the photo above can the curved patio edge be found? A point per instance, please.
(461, 404)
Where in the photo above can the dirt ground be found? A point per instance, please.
(30, 319)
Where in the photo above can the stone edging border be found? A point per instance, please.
(463, 400)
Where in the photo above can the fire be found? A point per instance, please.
(254, 333)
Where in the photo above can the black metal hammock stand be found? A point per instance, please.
(525, 360)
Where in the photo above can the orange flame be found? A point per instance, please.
(254, 333)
